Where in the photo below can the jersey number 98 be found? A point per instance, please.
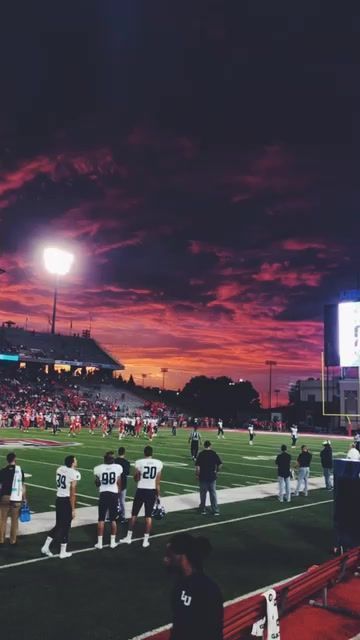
(108, 478)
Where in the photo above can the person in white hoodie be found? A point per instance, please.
(353, 453)
(12, 494)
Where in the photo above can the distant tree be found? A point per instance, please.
(294, 393)
(131, 382)
(221, 396)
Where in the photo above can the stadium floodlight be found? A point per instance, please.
(58, 262)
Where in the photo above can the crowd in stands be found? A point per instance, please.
(58, 402)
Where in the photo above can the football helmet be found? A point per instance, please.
(158, 511)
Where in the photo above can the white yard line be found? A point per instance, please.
(40, 486)
(50, 464)
(180, 484)
(171, 533)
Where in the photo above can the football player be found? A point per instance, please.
(92, 425)
(66, 480)
(105, 426)
(108, 480)
(148, 476)
(220, 425)
(251, 434)
(194, 439)
(294, 435)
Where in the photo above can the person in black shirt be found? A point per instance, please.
(283, 461)
(326, 458)
(208, 464)
(196, 600)
(303, 462)
(125, 464)
(12, 493)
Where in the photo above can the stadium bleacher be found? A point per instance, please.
(40, 347)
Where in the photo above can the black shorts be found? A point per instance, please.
(108, 503)
(144, 497)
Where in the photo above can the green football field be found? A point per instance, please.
(116, 594)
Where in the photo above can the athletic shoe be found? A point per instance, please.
(125, 541)
(146, 543)
(113, 545)
(46, 552)
(216, 513)
(203, 513)
(65, 554)
(98, 546)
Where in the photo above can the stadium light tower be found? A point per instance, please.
(277, 391)
(270, 364)
(57, 262)
(164, 371)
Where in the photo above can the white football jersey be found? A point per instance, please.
(108, 475)
(64, 477)
(250, 429)
(294, 431)
(148, 469)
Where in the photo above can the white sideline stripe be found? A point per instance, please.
(182, 502)
(172, 533)
(228, 603)
(83, 504)
(172, 493)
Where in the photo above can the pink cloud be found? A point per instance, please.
(282, 273)
(197, 246)
(293, 244)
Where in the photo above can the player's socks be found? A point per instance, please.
(127, 539)
(99, 544)
(146, 542)
(63, 552)
(45, 549)
(112, 542)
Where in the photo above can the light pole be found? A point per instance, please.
(164, 371)
(277, 391)
(271, 364)
(143, 375)
(57, 262)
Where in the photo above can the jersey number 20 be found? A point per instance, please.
(149, 472)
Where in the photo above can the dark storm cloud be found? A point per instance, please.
(200, 157)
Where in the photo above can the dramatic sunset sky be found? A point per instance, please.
(200, 160)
